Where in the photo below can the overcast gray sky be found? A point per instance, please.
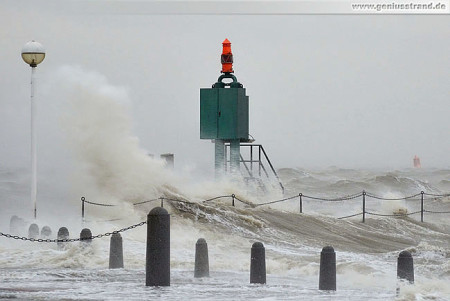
(352, 91)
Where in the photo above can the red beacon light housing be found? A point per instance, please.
(227, 57)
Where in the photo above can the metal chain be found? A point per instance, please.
(345, 198)
(143, 202)
(111, 205)
(400, 214)
(218, 197)
(97, 204)
(178, 201)
(72, 239)
(350, 197)
(438, 195)
(350, 215)
(428, 211)
(274, 202)
(391, 199)
(243, 202)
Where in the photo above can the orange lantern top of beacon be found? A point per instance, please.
(227, 57)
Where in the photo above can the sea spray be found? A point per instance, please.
(111, 163)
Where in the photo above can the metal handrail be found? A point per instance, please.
(273, 169)
(261, 153)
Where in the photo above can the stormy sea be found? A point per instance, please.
(368, 216)
(366, 253)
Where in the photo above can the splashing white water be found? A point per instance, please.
(111, 166)
(99, 132)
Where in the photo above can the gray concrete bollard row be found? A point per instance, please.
(158, 253)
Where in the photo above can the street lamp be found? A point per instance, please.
(33, 53)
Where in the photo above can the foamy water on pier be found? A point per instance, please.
(366, 253)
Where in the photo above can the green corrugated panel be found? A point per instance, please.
(223, 113)
(228, 99)
(208, 113)
(243, 119)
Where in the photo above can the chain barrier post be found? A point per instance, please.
(46, 231)
(405, 266)
(85, 237)
(258, 263)
(33, 231)
(421, 206)
(82, 208)
(301, 203)
(157, 262)
(327, 275)
(201, 259)
(63, 234)
(15, 225)
(116, 252)
(232, 202)
(364, 206)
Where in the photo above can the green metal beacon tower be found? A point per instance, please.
(224, 115)
(224, 112)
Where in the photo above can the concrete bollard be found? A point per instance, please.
(201, 259)
(85, 236)
(116, 252)
(15, 225)
(258, 263)
(63, 233)
(405, 266)
(157, 267)
(327, 277)
(46, 231)
(33, 231)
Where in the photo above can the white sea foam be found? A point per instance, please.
(112, 164)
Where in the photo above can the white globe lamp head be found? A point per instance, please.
(33, 53)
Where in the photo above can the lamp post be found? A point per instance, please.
(33, 53)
